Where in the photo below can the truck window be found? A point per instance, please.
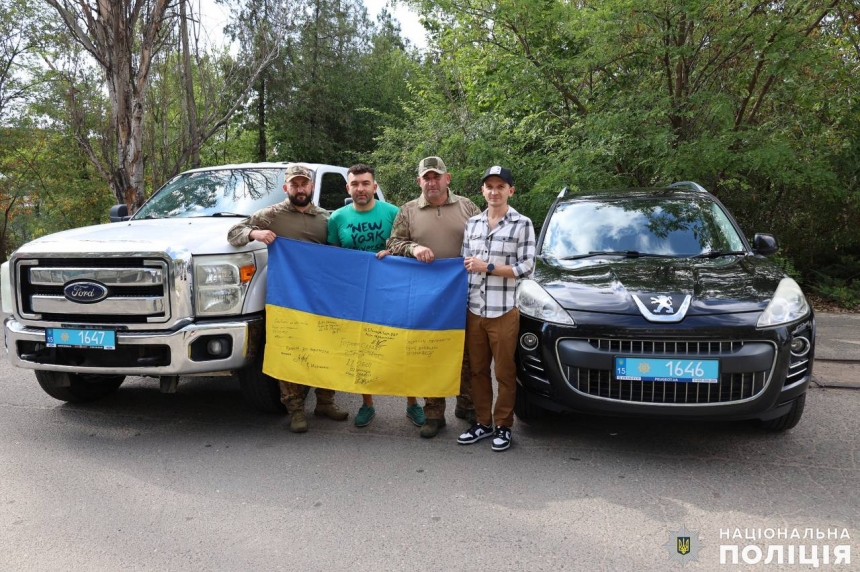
(332, 191)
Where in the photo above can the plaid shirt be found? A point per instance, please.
(511, 243)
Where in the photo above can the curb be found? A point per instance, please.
(836, 374)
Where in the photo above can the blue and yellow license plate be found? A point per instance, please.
(75, 338)
(668, 369)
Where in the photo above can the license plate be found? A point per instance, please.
(74, 338)
(667, 369)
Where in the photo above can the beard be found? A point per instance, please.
(300, 200)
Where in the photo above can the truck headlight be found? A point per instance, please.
(220, 283)
(6, 288)
(534, 301)
(788, 305)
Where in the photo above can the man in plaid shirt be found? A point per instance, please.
(498, 249)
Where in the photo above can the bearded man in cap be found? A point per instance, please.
(298, 218)
(428, 228)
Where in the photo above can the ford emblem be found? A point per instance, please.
(85, 292)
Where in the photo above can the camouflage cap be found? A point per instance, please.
(434, 164)
(294, 171)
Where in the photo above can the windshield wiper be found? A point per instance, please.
(624, 253)
(225, 214)
(719, 253)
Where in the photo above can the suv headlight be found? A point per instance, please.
(220, 283)
(534, 301)
(788, 305)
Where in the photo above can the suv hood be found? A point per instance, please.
(205, 235)
(719, 286)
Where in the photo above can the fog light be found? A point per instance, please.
(215, 347)
(529, 341)
(207, 348)
(799, 346)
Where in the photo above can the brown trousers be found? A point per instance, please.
(489, 340)
(293, 396)
(434, 407)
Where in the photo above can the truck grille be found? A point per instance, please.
(137, 290)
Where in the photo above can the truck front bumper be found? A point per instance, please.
(186, 351)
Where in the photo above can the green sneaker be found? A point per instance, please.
(416, 414)
(364, 415)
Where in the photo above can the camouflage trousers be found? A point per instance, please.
(293, 396)
(434, 407)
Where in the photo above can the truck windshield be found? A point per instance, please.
(224, 192)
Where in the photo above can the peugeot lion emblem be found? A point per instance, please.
(85, 292)
(663, 307)
(662, 303)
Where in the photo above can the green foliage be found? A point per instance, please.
(839, 282)
(47, 186)
(755, 102)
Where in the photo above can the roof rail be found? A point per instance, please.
(691, 184)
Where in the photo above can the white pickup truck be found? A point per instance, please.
(160, 294)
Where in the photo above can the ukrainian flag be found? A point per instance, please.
(342, 319)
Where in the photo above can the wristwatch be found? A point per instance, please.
(490, 268)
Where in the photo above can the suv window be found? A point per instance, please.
(332, 191)
(668, 226)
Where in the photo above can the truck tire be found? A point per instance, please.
(259, 390)
(790, 419)
(77, 388)
(526, 409)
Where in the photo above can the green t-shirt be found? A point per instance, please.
(367, 230)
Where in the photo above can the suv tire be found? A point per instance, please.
(790, 419)
(77, 388)
(526, 409)
(260, 390)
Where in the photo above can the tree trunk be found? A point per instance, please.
(188, 83)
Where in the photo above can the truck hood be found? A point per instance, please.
(204, 235)
(718, 286)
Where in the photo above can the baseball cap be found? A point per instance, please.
(434, 164)
(496, 171)
(294, 171)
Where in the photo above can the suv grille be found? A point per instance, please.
(731, 386)
(664, 347)
(137, 290)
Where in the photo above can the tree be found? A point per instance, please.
(753, 100)
(124, 39)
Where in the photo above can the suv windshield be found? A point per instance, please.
(226, 192)
(640, 226)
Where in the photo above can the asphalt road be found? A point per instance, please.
(198, 481)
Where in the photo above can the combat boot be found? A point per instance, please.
(298, 422)
(431, 428)
(467, 414)
(331, 411)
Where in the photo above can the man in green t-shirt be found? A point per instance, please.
(366, 225)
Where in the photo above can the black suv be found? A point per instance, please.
(651, 302)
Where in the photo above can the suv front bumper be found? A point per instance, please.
(572, 369)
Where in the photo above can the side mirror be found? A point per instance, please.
(119, 213)
(765, 244)
(347, 201)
